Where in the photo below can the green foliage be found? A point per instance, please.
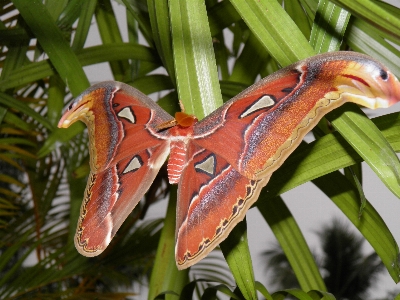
(348, 273)
(43, 168)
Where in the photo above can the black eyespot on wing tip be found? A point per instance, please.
(384, 74)
(287, 90)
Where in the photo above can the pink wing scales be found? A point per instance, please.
(230, 154)
(212, 198)
(228, 130)
(110, 197)
(272, 116)
(251, 135)
(126, 154)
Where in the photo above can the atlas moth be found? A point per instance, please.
(220, 163)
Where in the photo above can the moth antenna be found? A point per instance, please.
(182, 107)
(167, 124)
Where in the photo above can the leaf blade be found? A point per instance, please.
(195, 65)
(275, 30)
(53, 42)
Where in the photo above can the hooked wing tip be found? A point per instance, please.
(73, 114)
(63, 123)
(85, 250)
(91, 241)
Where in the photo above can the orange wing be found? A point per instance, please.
(251, 135)
(126, 152)
(259, 128)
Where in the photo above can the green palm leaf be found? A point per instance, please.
(44, 52)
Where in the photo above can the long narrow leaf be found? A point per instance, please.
(329, 26)
(291, 239)
(363, 37)
(161, 28)
(141, 18)
(54, 43)
(250, 62)
(326, 155)
(165, 275)
(84, 23)
(10, 102)
(222, 15)
(371, 225)
(373, 13)
(87, 56)
(236, 252)
(110, 34)
(275, 30)
(296, 12)
(369, 142)
(195, 66)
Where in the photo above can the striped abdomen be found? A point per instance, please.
(177, 160)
